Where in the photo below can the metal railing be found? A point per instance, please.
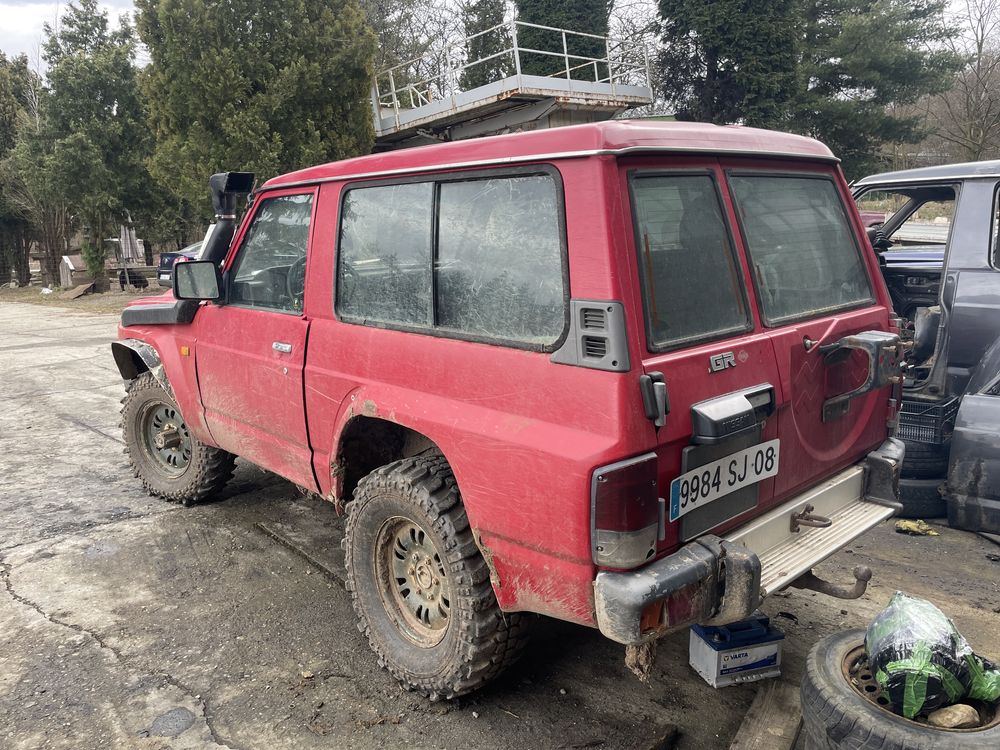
(442, 74)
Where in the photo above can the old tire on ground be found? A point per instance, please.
(835, 715)
(925, 460)
(171, 462)
(921, 498)
(419, 585)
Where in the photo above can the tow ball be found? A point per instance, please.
(862, 575)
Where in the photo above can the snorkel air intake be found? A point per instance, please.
(224, 187)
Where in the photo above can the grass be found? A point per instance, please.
(108, 302)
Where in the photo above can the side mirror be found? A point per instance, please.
(197, 279)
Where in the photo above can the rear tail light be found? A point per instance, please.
(179, 259)
(625, 512)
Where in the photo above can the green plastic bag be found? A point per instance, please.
(922, 662)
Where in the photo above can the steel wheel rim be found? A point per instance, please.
(412, 581)
(859, 676)
(165, 438)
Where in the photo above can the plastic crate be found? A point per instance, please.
(922, 422)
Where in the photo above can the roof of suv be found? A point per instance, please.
(965, 170)
(610, 137)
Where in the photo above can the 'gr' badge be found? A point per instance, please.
(719, 362)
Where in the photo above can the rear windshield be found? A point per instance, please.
(691, 284)
(804, 257)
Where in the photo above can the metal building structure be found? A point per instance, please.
(427, 100)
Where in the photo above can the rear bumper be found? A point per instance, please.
(715, 581)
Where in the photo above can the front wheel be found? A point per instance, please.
(164, 455)
(420, 586)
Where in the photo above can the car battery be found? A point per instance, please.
(744, 651)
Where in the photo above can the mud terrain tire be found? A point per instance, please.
(200, 474)
(435, 626)
(835, 716)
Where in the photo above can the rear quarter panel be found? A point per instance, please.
(520, 432)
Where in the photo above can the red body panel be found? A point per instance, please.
(522, 434)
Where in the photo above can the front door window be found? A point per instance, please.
(270, 270)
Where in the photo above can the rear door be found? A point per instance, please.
(704, 338)
(813, 281)
(747, 273)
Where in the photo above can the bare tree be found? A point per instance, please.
(967, 116)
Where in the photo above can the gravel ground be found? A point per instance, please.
(129, 622)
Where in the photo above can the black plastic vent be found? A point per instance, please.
(596, 336)
(593, 319)
(595, 347)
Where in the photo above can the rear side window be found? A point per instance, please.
(804, 256)
(499, 259)
(385, 253)
(690, 279)
(477, 258)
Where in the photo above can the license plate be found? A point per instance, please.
(164, 277)
(716, 479)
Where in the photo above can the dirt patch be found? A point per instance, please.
(107, 302)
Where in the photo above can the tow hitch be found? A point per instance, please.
(862, 575)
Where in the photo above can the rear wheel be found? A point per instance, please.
(164, 455)
(842, 707)
(420, 586)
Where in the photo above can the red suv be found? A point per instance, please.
(634, 375)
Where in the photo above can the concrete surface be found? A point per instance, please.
(129, 622)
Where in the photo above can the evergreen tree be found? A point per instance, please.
(480, 16)
(832, 69)
(15, 79)
(587, 16)
(94, 124)
(860, 59)
(266, 87)
(730, 60)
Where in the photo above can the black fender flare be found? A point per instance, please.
(135, 357)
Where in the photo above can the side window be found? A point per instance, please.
(690, 278)
(878, 206)
(384, 270)
(802, 251)
(917, 215)
(269, 271)
(928, 225)
(491, 267)
(499, 259)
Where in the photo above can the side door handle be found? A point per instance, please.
(281, 346)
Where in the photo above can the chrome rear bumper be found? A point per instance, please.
(715, 581)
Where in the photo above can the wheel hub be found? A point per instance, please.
(166, 439)
(169, 437)
(414, 584)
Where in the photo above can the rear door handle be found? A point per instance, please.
(281, 346)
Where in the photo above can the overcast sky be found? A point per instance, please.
(21, 22)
